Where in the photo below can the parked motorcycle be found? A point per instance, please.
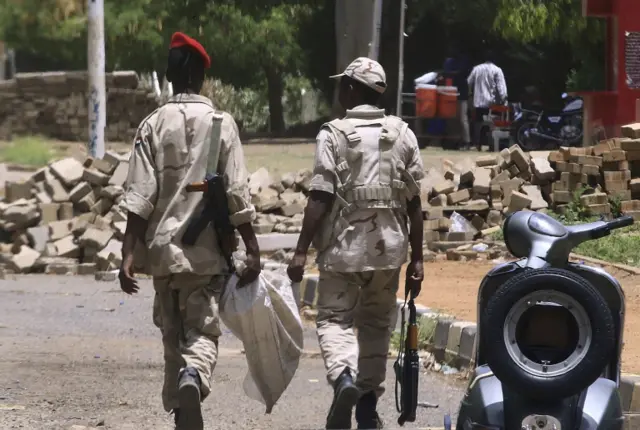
(549, 334)
(535, 129)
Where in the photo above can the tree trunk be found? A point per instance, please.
(275, 89)
(389, 51)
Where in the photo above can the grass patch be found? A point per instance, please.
(28, 151)
(426, 332)
(621, 246)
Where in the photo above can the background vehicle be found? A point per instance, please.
(549, 334)
(536, 128)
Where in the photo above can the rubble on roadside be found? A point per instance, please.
(468, 200)
(66, 218)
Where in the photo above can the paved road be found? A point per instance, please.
(75, 351)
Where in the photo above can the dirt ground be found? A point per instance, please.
(451, 287)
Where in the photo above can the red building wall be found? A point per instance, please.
(616, 106)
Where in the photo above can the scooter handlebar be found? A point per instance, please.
(621, 222)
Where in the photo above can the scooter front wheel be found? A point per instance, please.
(577, 362)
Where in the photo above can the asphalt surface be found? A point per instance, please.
(74, 351)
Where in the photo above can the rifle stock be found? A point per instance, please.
(216, 212)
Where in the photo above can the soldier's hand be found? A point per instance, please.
(296, 267)
(415, 276)
(252, 271)
(128, 283)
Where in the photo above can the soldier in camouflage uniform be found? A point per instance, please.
(171, 150)
(365, 187)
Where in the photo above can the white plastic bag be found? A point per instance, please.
(265, 317)
(461, 224)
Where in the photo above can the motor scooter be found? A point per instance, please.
(549, 334)
(535, 129)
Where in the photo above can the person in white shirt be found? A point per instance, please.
(488, 86)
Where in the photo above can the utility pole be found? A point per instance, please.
(400, 60)
(97, 108)
(374, 47)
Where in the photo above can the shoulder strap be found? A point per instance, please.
(214, 144)
(347, 129)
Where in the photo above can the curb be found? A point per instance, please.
(453, 342)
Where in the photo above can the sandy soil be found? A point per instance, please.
(452, 287)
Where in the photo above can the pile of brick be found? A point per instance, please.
(601, 173)
(280, 201)
(65, 218)
(482, 192)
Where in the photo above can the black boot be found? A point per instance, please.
(189, 416)
(345, 396)
(366, 414)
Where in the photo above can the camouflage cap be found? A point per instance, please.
(367, 71)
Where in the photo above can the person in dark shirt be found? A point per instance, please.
(457, 69)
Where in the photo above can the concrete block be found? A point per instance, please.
(95, 238)
(87, 202)
(120, 174)
(630, 393)
(482, 181)
(542, 169)
(444, 187)
(519, 158)
(79, 191)
(106, 276)
(102, 206)
(441, 336)
(38, 237)
(17, 190)
(61, 268)
(467, 347)
(23, 261)
(54, 188)
(534, 193)
(111, 192)
(439, 200)
(487, 160)
(631, 422)
(48, 212)
(66, 247)
(459, 196)
(453, 340)
(68, 171)
(66, 211)
(59, 229)
(86, 268)
(112, 253)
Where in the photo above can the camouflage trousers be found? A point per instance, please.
(365, 301)
(185, 309)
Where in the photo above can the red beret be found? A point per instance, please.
(180, 39)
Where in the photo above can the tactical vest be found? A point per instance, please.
(353, 190)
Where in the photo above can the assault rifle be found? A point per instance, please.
(216, 212)
(407, 365)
